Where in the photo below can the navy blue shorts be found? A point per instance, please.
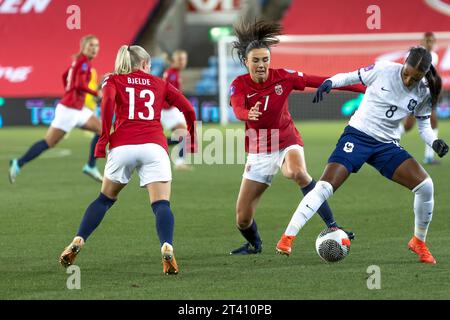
(355, 148)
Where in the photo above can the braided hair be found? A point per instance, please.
(420, 59)
(256, 35)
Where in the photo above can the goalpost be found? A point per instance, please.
(326, 55)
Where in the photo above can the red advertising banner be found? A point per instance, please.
(211, 6)
(39, 37)
(361, 16)
(328, 55)
(341, 36)
(212, 12)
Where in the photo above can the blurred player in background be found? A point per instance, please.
(91, 102)
(428, 42)
(137, 143)
(372, 136)
(260, 98)
(70, 111)
(172, 118)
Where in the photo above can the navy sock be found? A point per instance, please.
(91, 160)
(94, 215)
(164, 221)
(251, 234)
(32, 153)
(324, 211)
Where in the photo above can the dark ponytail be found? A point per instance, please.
(420, 58)
(260, 34)
(434, 84)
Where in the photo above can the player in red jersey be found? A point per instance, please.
(171, 118)
(272, 141)
(137, 143)
(70, 111)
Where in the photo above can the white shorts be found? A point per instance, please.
(150, 160)
(261, 167)
(172, 117)
(67, 118)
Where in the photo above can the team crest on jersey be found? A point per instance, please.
(279, 89)
(232, 90)
(348, 147)
(412, 104)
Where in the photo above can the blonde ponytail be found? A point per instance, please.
(123, 61)
(130, 58)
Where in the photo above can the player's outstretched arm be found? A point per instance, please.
(341, 81)
(313, 81)
(429, 136)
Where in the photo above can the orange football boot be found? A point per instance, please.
(284, 246)
(168, 260)
(420, 248)
(70, 252)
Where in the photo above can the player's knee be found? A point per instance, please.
(298, 174)
(243, 218)
(325, 188)
(425, 189)
(243, 223)
(51, 143)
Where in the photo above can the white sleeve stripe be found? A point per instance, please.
(104, 81)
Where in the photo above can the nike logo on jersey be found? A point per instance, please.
(309, 207)
(251, 95)
(384, 89)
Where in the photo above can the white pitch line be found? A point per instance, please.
(50, 154)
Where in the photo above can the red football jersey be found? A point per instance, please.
(137, 99)
(172, 76)
(76, 83)
(275, 124)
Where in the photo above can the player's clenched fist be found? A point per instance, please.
(254, 113)
(440, 147)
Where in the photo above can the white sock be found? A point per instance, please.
(308, 206)
(429, 152)
(423, 208)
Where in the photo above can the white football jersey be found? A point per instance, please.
(387, 101)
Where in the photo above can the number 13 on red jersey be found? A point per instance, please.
(149, 103)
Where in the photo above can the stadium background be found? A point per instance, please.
(338, 41)
(41, 211)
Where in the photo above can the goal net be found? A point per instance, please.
(326, 55)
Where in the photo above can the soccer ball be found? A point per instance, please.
(332, 245)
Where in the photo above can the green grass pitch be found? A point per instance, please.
(40, 214)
